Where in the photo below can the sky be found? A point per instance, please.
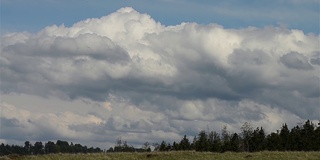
(93, 71)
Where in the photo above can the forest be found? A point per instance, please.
(48, 148)
(303, 137)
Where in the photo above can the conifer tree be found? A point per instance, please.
(184, 143)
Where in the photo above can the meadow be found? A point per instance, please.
(177, 155)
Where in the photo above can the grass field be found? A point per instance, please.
(188, 155)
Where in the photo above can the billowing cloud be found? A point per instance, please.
(151, 82)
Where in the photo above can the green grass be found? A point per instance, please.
(186, 155)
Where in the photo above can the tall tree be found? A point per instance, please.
(235, 143)
(175, 146)
(247, 131)
(163, 146)
(225, 139)
(27, 147)
(284, 138)
(50, 147)
(215, 141)
(316, 146)
(184, 143)
(308, 134)
(202, 142)
(295, 139)
(63, 146)
(38, 148)
(273, 142)
(258, 140)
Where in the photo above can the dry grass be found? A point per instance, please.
(185, 155)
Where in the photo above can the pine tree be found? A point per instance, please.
(316, 146)
(202, 143)
(235, 143)
(308, 135)
(273, 142)
(175, 146)
(258, 139)
(295, 139)
(163, 146)
(184, 143)
(217, 143)
(284, 138)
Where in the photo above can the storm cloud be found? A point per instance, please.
(154, 82)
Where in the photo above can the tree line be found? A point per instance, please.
(47, 148)
(304, 137)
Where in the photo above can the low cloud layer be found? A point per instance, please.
(154, 82)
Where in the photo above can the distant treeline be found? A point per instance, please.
(304, 137)
(47, 148)
(122, 146)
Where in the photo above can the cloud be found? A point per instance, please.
(315, 60)
(149, 82)
(296, 61)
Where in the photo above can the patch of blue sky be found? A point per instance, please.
(33, 15)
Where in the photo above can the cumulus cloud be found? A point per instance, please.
(157, 82)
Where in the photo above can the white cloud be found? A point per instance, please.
(135, 78)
